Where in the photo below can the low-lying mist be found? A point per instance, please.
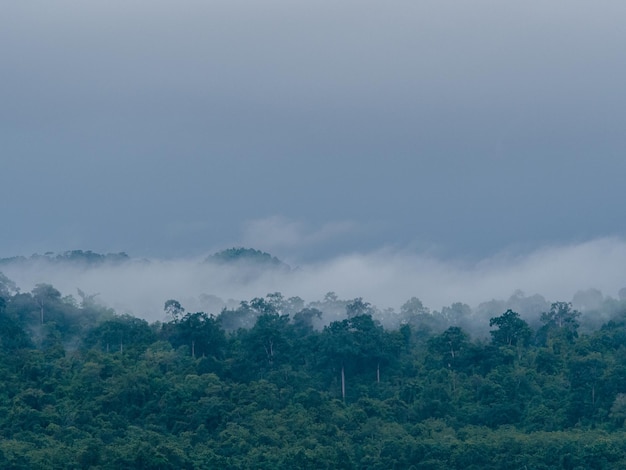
(385, 278)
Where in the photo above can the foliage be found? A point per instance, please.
(245, 255)
(265, 386)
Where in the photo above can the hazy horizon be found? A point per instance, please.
(385, 278)
(475, 139)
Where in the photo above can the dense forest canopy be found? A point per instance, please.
(279, 382)
(74, 256)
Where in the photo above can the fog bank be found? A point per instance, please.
(385, 278)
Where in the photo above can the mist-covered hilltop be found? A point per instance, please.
(236, 256)
(240, 256)
(87, 258)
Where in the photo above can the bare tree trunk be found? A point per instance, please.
(593, 395)
(193, 348)
(378, 372)
(269, 351)
(343, 383)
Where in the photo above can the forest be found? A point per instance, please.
(277, 382)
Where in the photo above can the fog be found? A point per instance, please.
(386, 278)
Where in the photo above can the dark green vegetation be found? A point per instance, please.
(240, 255)
(75, 256)
(266, 386)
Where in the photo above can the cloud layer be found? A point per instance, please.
(386, 278)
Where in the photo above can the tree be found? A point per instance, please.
(269, 306)
(561, 315)
(293, 305)
(421, 321)
(338, 348)
(243, 316)
(371, 341)
(87, 300)
(201, 332)
(268, 341)
(45, 294)
(7, 286)
(585, 374)
(448, 345)
(332, 306)
(357, 307)
(277, 302)
(173, 309)
(511, 329)
(456, 313)
(560, 324)
(11, 335)
(412, 307)
(357, 343)
(121, 333)
(305, 318)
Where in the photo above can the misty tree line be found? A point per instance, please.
(280, 383)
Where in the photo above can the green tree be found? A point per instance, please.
(413, 307)
(173, 309)
(585, 375)
(121, 333)
(562, 316)
(511, 329)
(456, 314)
(12, 336)
(358, 307)
(268, 344)
(305, 319)
(7, 286)
(201, 332)
(338, 349)
(45, 295)
(449, 346)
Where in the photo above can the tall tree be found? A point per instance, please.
(45, 295)
(511, 329)
(268, 341)
(173, 309)
(7, 286)
(448, 346)
(562, 316)
(201, 332)
(121, 333)
(358, 307)
(560, 325)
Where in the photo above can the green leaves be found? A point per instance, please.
(511, 330)
(116, 392)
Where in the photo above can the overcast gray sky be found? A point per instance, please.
(311, 129)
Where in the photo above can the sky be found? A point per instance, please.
(316, 130)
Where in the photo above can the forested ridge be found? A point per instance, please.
(280, 383)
